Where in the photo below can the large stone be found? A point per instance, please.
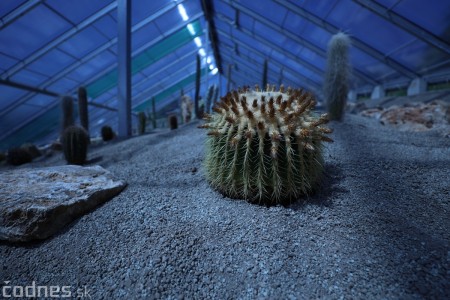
(36, 203)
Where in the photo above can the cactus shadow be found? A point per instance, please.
(328, 188)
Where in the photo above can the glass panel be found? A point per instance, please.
(16, 117)
(319, 8)
(9, 95)
(41, 100)
(76, 11)
(64, 85)
(106, 26)
(33, 32)
(93, 67)
(83, 42)
(29, 77)
(51, 63)
(273, 12)
(7, 62)
(419, 55)
(224, 9)
(144, 35)
(9, 5)
(368, 27)
(141, 9)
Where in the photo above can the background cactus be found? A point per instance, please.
(173, 122)
(265, 146)
(67, 112)
(337, 75)
(186, 108)
(197, 88)
(107, 133)
(209, 98)
(75, 142)
(216, 94)
(83, 108)
(18, 156)
(142, 122)
(154, 113)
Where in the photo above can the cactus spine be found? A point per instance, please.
(142, 122)
(75, 143)
(337, 75)
(265, 146)
(83, 108)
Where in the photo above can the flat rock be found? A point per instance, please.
(36, 203)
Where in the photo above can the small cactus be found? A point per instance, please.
(83, 108)
(75, 142)
(197, 88)
(107, 133)
(337, 75)
(142, 122)
(209, 98)
(18, 156)
(32, 149)
(173, 122)
(265, 146)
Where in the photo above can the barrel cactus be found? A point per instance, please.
(265, 145)
(75, 142)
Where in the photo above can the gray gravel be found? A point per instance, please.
(378, 229)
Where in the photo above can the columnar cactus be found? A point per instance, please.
(142, 122)
(265, 146)
(209, 98)
(173, 122)
(67, 112)
(75, 142)
(107, 133)
(337, 75)
(83, 108)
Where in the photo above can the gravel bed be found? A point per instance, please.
(377, 229)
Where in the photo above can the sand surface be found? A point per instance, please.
(378, 228)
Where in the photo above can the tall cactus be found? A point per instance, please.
(142, 122)
(265, 146)
(216, 94)
(197, 88)
(264, 77)
(154, 112)
(83, 108)
(209, 98)
(67, 113)
(336, 79)
(75, 143)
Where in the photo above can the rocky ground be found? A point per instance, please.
(377, 229)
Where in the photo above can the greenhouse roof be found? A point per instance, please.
(49, 48)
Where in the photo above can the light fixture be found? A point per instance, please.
(182, 12)
(191, 29)
(211, 67)
(202, 52)
(208, 60)
(214, 71)
(198, 42)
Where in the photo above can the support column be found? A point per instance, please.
(124, 68)
(417, 86)
(378, 92)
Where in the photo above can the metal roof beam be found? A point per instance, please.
(29, 88)
(307, 64)
(59, 40)
(18, 12)
(280, 65)
(417, 31)
(355, 41)
(93, 54)
(208, 11)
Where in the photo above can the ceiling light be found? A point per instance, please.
(182, 12)
(215, 71)
(202, 52)
(208, 60)
(198, 42)
(191, 29)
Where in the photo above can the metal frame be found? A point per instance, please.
(18, 12)
(417, 31)
(355, 41)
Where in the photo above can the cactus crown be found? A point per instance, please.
(265, 146)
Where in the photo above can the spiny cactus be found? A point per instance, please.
(107, 133)
(142, 122)
(173, 122)
(154, 113)
(265, 146)
(83, 108)
(75, 142)
(186, 108)
(337, 75)
(67, 112)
